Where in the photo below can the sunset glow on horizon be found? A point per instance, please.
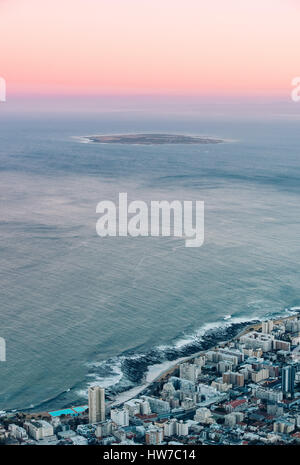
(149, 47)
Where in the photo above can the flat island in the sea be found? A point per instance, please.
(152, 139)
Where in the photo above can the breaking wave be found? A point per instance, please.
(128, 370)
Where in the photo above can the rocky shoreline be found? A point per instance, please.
(134, 369)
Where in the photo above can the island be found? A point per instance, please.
(153, 139)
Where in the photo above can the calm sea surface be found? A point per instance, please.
(74, 306)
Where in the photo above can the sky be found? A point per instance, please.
(182, 47)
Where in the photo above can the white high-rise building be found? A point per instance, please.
(267, 327)
(255, 340)
(96, 404)
(120, 416)
(170, 427)
(182, 429)
(190, 371)
(137, 406)
(39, 429)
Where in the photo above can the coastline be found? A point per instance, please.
(165, 373)
(159, 372)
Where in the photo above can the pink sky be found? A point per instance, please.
(228, 47)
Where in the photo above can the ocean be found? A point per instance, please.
(77, 309)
